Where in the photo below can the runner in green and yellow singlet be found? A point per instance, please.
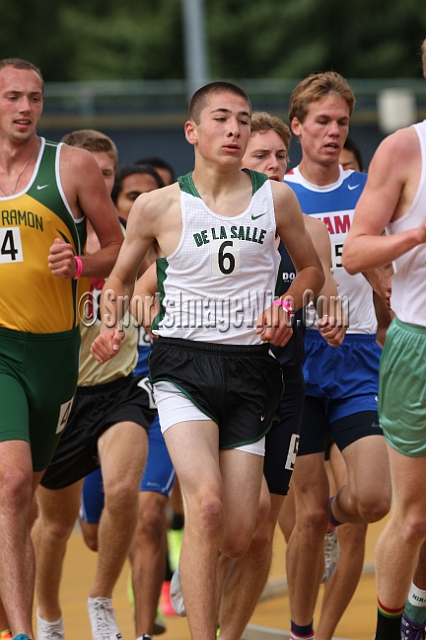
(46, 191)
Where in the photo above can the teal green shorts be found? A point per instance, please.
(402, 388)
(38, 378)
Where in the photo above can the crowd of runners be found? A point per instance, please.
(242, 346)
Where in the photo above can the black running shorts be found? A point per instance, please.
(238, 386)
(94, 410)
(282, 441)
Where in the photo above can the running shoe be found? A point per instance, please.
(176, 596)
(5, 634)
(411, 630)
(331, 555)
(101, 613)
(49, 630)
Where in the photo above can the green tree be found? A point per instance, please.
(127, 40)
(142, 39)
(93, 39)
(292, 38)
(31, 29)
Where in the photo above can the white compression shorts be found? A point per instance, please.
(174, 407)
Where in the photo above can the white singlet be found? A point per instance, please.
(334, 204)
(223, 273)
(408, 284)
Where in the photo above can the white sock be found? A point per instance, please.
(46, 622)
(416, 596)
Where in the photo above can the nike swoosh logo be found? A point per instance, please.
(351, 188)
(259, 216)
(43, 186)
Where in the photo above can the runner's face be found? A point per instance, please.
(267, 154)
(21, 103)
(106, 165)
(324, 130)
(133, 186)
(224, 129)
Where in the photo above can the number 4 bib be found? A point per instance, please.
(11, 245)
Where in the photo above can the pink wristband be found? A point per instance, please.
(79, 267)
(285, 304)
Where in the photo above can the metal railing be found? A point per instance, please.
(154, 103)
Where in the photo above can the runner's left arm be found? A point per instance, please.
(365, 247)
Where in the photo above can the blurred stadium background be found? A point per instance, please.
(146, 118)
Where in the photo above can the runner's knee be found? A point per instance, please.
(16, 489)
(413, 527)
(262, 540)
(90, 535)
(236, 545)
(57, 529)
(205, 513)
(373, 508)
(150, 528)
(122, 493)
(313, 518)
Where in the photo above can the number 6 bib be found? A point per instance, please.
(225, 257)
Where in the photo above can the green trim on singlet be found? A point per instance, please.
(257, 179)
(187, 185)
(50, 196)
(162, 265)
